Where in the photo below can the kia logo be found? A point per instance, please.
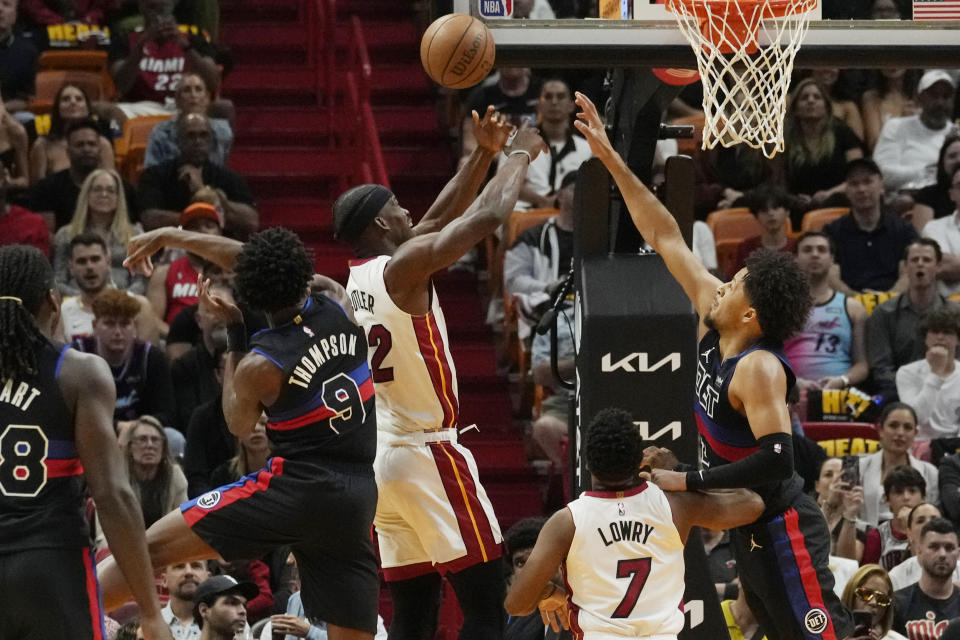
(638, 363)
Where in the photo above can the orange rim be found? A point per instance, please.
(734, 21)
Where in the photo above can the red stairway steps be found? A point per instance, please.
(284, 146)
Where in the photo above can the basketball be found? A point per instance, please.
(457, 51)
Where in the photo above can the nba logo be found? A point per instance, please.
(496, 8)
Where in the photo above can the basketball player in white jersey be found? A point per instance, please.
(433, 516)
(620, 546)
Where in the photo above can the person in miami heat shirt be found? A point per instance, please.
(308, 371)
(620, 546)
(147, 64)
(57, 445)
(741, 413)
(433, 515)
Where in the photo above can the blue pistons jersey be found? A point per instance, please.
(326, 409)
(725, 434)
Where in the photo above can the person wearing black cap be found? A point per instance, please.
(870, 241)
(220, 607)
(433, 516)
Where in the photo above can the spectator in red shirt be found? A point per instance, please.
(771, 207)
(19, 226)
(147, 64)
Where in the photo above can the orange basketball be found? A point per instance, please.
(457, 51)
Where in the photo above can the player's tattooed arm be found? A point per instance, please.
(217, 249)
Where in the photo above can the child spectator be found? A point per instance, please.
(140, 370)
(887, 545)
(771, 208)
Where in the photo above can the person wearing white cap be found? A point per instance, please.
(907, 149)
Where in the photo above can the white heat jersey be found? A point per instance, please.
(410, 361)
(624, 570)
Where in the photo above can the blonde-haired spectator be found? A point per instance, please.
(101, 208)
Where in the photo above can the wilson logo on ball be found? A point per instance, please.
(457, 51)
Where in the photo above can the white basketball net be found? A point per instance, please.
(745, 72)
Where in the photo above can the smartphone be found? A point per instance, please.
(862, 618)
(850, 471)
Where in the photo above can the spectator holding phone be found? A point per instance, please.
(869, 594)
(840, 497)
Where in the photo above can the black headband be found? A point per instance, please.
(355, 209)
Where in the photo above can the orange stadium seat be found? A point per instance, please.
(131, 148)
(49, 82)
(737, 223)
(726, 253)
(80, 60)
(815, 220)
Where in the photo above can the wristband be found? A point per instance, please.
(846, 380)
(517, 152)
(237, 337)
(694, 480)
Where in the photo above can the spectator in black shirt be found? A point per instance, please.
(195, 372)
(516, 95)
(922, 610)
(167, 188)
(140, 370)
(934, 201)
(870, 241)
(18, 61)
(209, 442)
(55, 197)
(817, 146)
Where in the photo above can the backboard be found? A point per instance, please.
(652, 39)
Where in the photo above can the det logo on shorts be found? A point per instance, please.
(816, 620)
(211, 499)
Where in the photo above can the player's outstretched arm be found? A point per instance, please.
(419, 258)
(651, 218)
(216, 249)
(715, 510)
(532, 583)
(250, 381)
(491, 134)
(89, 389)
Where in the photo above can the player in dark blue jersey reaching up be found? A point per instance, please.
(741, 412)
(309, 373)
(56, 430)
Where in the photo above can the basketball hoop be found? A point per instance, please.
(745, 51)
